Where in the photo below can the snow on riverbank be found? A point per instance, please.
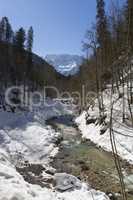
(25, 137)
(26, 132)
(92, 131)
(13, 186)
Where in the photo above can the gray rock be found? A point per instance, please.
(64, 182)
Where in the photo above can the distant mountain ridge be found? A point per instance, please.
(65, 64)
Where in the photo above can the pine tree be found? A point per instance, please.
(29, 47)
(5, 30)
(6, 37)
(129, 19)
(9, 32)
(30, 39)
(101, 22)
(2, 29)
(19, 39)
(103, 34)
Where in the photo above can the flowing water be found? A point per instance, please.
(87, 161)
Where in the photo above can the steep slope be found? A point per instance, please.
(99, 133)
(13, 64)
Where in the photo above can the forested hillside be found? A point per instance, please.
(77, 143)
(20, 66)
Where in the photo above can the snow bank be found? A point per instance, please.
(25, 133)
(25, 137)
(92, 131)
(13, 186)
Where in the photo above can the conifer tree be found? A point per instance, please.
(129, 19)
(9, 32)
(19, 39)
(30, 39)
(29, 47)
(5, 30)
(2, 29)
(101, 22)
(103, 34)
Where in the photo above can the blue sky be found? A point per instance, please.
(59, 25)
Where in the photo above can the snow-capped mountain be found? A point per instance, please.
(65, 64)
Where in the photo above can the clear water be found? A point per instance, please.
(86, 161)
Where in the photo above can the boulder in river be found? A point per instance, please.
(64, 182)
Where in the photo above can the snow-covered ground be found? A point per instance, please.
(26, 132)
(13, 186)
(29, 138)
(25, 137)
(123, 132)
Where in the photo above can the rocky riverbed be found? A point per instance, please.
(86, 161)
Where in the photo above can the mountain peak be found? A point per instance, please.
(65, 64)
